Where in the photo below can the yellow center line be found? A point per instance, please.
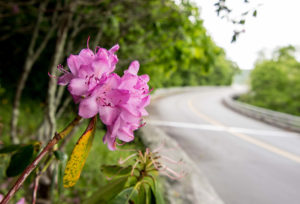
(245, 137)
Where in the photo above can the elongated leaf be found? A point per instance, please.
(141, 198)
(115, 170)
(10, 149)
(20, 160)
(107, 192)
(157, 193)
(79, 155)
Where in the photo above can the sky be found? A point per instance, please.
(277, 24)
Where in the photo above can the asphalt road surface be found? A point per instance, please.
(245, 160)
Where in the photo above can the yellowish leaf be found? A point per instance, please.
(79, 155)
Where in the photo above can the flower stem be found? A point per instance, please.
(57, 137)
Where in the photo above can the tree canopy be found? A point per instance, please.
(275, 82)
(168, 39)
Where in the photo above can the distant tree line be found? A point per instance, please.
(275, 82)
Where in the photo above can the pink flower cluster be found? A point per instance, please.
(120, 101)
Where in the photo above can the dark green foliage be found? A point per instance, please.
(9, 149)
(20, 159)
(275, 83)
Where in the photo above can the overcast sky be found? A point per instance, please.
(277, 24)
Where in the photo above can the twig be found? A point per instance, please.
(57, 137)
(36, 185)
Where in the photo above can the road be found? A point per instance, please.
(245, 160)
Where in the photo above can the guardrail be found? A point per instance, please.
(283, 120)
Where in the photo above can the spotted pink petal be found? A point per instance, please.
(85, 71)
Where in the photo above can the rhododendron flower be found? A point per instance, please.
(88, 69)
(119, 101)
(127, 118)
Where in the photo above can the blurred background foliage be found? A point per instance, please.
(168, 39)
(275, 82)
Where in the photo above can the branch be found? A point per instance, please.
(57, 137)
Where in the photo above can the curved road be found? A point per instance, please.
(245, 160)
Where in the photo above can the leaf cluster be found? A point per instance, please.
(275, 83)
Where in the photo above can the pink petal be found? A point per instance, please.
(108, 114)
(116, 127)
(65, 79)
(145, 77)
(78, 87)
(113, 81)
(114, 48)
(111, 142)
(145, 101)
(21, 201)
(128, 81)
(84, 71)
(88, 107)
(116, 97)
(128, 117)
(86, 55)
(125, 135)
(76, 99)
(102, 53)
(144, 112)
(131, 109)
(1, 197)
(73, 64)
(100, 67)
(133, 68)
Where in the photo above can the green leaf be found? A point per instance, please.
(60, 174)
(115, 170)
(157, 193)
(254, 13)
(59, 155)
(132, 194)
(131, 181)
(79, 155)
(10, 149)
(107, 192)
(20, 160)
(242, 21)
(141, 198)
